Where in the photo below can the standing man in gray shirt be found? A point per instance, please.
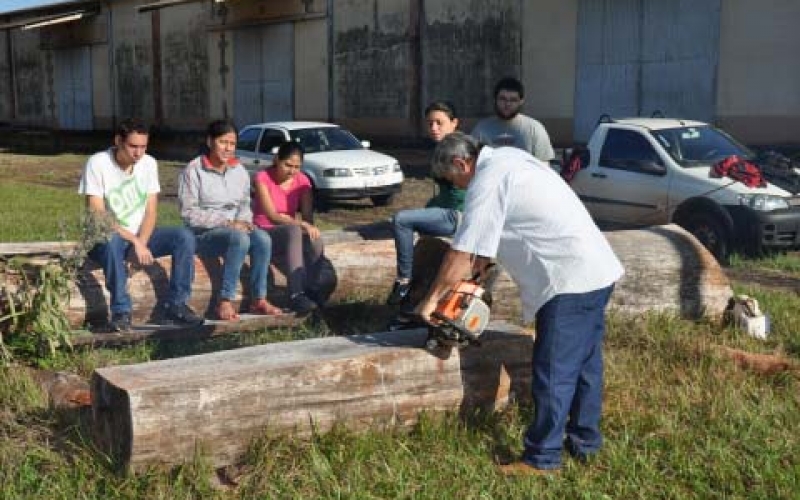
(509, 127)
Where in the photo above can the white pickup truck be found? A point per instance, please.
(645, 171)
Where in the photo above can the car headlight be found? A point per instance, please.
(396, 168)
(337, 172)
(763, 202)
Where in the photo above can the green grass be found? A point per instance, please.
(781, 262)
(680, 422)
(31, 212)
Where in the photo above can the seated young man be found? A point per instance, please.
(122, 182)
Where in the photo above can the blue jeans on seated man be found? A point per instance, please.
(431, 221)
(233, 246)
(567, 378)
(178, 242)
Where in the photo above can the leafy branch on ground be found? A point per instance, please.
(34, 314)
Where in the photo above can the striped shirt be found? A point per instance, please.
(519, 210)
(209, 198)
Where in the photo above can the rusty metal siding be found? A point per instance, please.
(638, 56)
(263, 74)
(73, 88)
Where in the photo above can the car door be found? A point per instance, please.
(629, 183)
(247, 146)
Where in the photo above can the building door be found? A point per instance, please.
(263, 74)
(73, 88)
(636, 57)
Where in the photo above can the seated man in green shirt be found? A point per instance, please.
(440, 216)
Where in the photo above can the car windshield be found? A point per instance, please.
(315, 140)
(699, 146)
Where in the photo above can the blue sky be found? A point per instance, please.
(7, 6)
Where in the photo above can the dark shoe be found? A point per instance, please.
(181, 315)
(120, 322)
(399, 292)
(301, 304)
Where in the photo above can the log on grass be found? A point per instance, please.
(162, 412)
(666, 269)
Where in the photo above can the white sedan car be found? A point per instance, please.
(339, 166)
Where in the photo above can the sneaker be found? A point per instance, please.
(301, 304)
(399, 292)
(181, 315)
(120, 322)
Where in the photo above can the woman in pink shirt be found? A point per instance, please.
(281, 192)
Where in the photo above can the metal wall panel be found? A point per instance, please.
(73, 87)
(638, 56)
(263, 74)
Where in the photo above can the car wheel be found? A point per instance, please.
(711, 233)
(382, 200)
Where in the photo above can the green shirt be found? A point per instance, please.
(448, 196)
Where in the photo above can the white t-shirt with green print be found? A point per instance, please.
(125, 195)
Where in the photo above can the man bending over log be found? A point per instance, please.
(123, 182)
(519, 210)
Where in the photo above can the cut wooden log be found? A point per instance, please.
(162, 412)
(666, 269)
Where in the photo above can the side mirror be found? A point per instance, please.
(366, 144)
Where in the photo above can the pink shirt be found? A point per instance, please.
(285, 200)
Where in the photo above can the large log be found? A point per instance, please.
(162, 412)
(666, 269)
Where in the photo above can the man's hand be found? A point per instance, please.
(143, 255)
(424, 309)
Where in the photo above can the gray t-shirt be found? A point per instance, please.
(521, 132)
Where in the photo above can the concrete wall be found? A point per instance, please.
(133, 62)
(311, 81)
(467, 47)
(6, 83)
(758, 83)
(32, 75)
(185, 75)
(373, 70)
(549, 61)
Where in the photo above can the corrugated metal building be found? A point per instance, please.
(374, 64)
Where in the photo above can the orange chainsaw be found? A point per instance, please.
(462, 313)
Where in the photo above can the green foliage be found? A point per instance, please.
(38, 321)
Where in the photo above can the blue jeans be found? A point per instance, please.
(432, 221)
(567, 378)
(175, 241)
(233, 246)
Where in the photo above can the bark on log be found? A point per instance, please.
(162, 412)
(666, 270)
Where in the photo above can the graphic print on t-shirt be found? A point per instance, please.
(126, 200)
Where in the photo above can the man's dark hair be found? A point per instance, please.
(445, 107)
(131, 126)
(219, 128)
(510, 84)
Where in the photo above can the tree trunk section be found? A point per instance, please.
(666, 269)
(162, 412)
